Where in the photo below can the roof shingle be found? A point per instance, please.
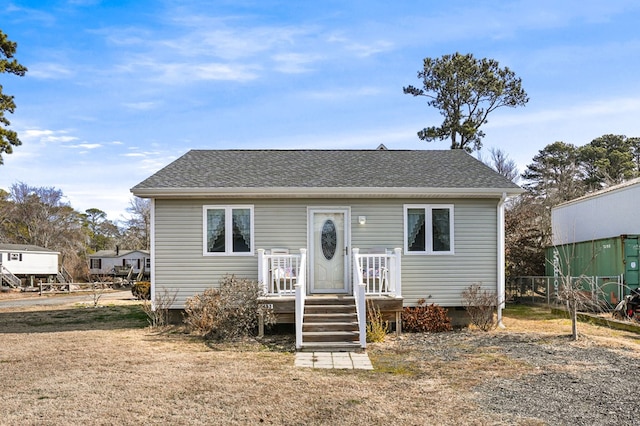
(218, 169)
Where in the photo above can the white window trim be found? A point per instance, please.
(428, 208)
(228, 234)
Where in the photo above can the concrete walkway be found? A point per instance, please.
(338, 360)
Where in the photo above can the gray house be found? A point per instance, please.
(314, 226)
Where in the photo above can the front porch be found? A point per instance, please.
(332, 321)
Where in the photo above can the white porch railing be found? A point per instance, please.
(280, 273)
(301, 293)
(380, 272)
(359, 289)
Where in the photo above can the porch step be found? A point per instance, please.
(329, 309)
(331, 336)
(330, 300)
(330, 324)
(334, 347)
(330, 317)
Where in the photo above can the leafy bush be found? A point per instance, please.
(141, 290)
(480, 305)
(423, 317)
(377, 327)
(229, 312)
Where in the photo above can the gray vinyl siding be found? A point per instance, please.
(180, 265)
(440, 279)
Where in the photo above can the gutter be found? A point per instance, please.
(500, 285)
(321, 192)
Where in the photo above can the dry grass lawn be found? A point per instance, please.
(80, 365)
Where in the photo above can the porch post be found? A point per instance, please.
(300, 288)
(397, 254)
(355, 251)
(262, 272)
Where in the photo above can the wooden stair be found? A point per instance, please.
(8, 277)
(330, 324)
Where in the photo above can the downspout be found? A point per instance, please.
(152, 253)
(500, 285)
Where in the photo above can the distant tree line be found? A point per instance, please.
(40, 216)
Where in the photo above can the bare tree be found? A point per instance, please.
(504, 165)
(574, 288)
(137, 232)
(39, 216)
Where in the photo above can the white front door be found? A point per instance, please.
(329, 250)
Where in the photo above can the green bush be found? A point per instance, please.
(423, 317)
(141, 290)
(229, 312)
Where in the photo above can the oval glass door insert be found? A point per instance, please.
(328, 239)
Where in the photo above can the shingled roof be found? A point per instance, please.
(218, 172)
(25, 247)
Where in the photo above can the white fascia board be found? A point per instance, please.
(29, 251)
(350, 192)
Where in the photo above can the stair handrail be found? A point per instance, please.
(301, 289)
(63, 276)
(9, 277)
(359, 290)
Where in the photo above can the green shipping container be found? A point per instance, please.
(606, 257)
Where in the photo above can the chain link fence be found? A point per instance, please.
(597, 293)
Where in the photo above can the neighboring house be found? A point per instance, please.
(389, 225)
(597, 235)
(24, 264)
(120, 263)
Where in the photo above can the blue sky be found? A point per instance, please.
(118, 89)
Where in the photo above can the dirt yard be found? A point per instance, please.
(75, 364)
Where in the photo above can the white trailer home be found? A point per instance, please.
(120, 263)
(21, 263)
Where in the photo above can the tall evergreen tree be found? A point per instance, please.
(8, 138)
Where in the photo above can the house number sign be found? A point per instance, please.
(328, 239)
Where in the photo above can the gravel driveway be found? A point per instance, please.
(556, 381)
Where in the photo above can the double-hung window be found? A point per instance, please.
(228, 230)
(428, 229)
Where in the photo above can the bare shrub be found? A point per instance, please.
(97, 290)
(201, 311)
(423, 317)
(228, 313)
(377, 327)
(158, 311)
(480, 305)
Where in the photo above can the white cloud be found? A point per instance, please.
(294, 63)
(343, 93)
(49, 71)
(88, 146)
(141, 106)
(46, 136)
(360, 48)
(582, 111)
